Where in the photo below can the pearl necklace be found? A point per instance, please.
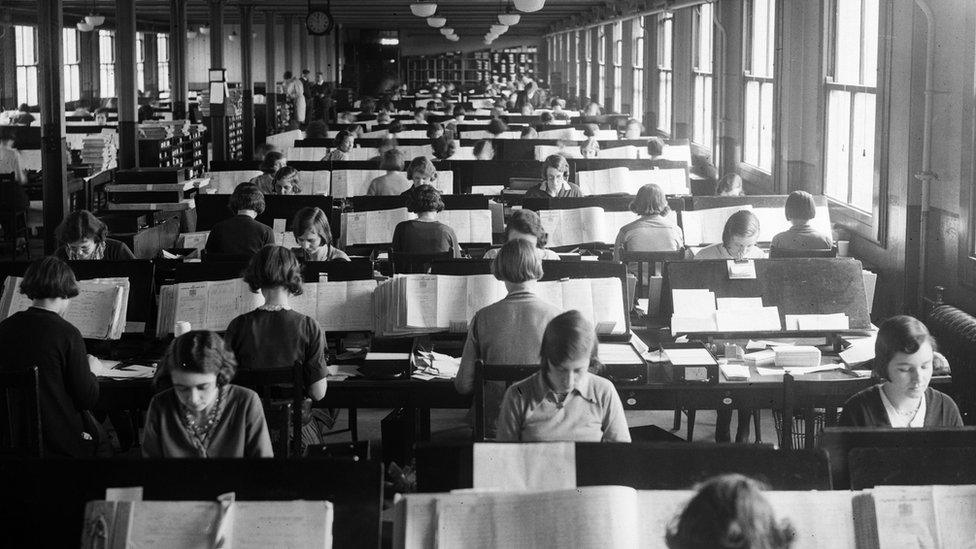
(201, 431)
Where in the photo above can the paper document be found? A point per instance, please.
(765, 319)
(735, 372)
(742, 270)
(530, 466)
(617, 353)
(689, 302)
(738, 303)
(689, 357)
(837, 321)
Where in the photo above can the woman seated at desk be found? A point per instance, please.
(82, 236)
(904, 362)
(729, 511)
(314, 236)
(526, 225)
(202, 415)
(393, 182)
(800, 209)
(10, 158)
(273, 161)
(40, 337)
(564, 401)
(420, 172)
(555, 180)
(344, 141)
(286, 181)
(739, 239)
(241, 234)
(654, 231)
(425, 235)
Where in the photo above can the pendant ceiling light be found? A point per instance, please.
(83, 26)
(499, 29)
(509, 19)
(423, 9)
(529, 6)
(453, 38)
(436, 22)
(447, 31)
(204, 30)
(232, 36)
(93, 19)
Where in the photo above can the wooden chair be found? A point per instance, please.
(287, 383)
(20, 414)
(485, 373)
(779, 253)
(805, 396)
(408, 263)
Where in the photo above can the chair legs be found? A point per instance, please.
(757, 424)
(353, 424)
(677, 420)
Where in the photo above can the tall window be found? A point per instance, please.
(601, 48)
(851, 89)
(106, 63)
(25, 44)
(637, 63)
(588, 81)
(162, 61)
(72, 65)
(665, 75)
(759, 30)
(140, 61)
(618, 53)
(578, 75)
(702, 74)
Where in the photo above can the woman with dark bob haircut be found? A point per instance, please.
(509, 331)
(272, 162)
(564, 400)
(201, 415)
(274, 335)
(344, 141)
(800, 209)
(314, 236)
(904, 361)
(425, 235)
(729, 511)
(241, 234)
(654, 231)
(526, 225)
(82, 236)
(40, 337)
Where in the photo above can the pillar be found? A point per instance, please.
(247, 81)
(178, 89)
(51, 98)
(270, 73)
(218, 124)
(125, 83)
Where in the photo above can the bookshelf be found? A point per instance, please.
(470, 68)
(182, 147)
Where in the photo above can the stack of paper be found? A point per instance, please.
(696, 311)
(796, 356)
(101, 150)
(837, 321)
(761, 358)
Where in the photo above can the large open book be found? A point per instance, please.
(377, 226)
(413, 304)
(605, 517)
(623, 180)
(342, 306)
(209, 305)
(315, 181)
(583, 225)
(349, 183)
(903, 517)
(98, 311)
(197, 524)
(702, 227)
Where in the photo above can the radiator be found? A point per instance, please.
(955, 332)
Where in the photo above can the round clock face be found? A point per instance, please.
(318, 22)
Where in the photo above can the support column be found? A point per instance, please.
(218, 125)
(54, 170)
(247, 81)
(125, 83)
(270, 73)
(150, 48)
(88, 71)
(302, 49)
(178, 89)
(289, 45)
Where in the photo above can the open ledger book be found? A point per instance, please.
(673, 181)
(702, 227)
(98, 311)
(906, 517)
(349, 183)
(583, 225)
(377, 226)
(195, 524)
(605, 517)
(412, 304)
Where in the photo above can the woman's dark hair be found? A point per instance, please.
(729, 511)
(392, 160)
(425, 198)
(568, 336)
(49, 278)
(741, 223)
(80, 225)
(516, 262)
(496, 127)
(545, 118)
(7, 134)
(386, 143)
(443, 147)
(702, 165)
(458, 111)
(556, 161)
(317, 129)
(23, 107)
(287, 75)
(433, 128)
(199, 352)
(270, 159)
(420, 110)
(422, 166)
(246, 196)
(529, 132)
(527, 222)
(800, 205)
(481, 145)
(283, 174)
(650, 200)
(311, 218)
(898, 334)
(395, 127)
(274, 266)
(340, 138)
(655, 147)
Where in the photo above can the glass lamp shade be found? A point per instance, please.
(447, 31)
(232, 36)
(84, 26)
(204, 30)
(453, 37)
(509, 19)
(423, 9)
(529, 5)
(95, 20)
(499, 29)
(436, 22)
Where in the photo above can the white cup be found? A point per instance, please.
(181, 328)
(843, 248)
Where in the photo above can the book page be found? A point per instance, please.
(172, 524)
(832, 525)
(470, 226)
(578, 295)
(738, 303)
(551, 291)
(531, 466)
(315, 182)
(591, 225)
(196, 240)
(955, 508)
(451, 301)
(608, 303)
(552, 222)
(483, 290)
(603, 517)
(121, 309)
(382, 223)
(773, 221)
(94, 310)
(420, 295)
(678, 153)
(693, 302)
(704, 227)
(657, 508)
(222, 304)
(613, 221)
(359, 304)
(905, 517)
(673, 181)
(415, 522)
(307, 302)
(262, 524)
(764, 319)
(13, 300)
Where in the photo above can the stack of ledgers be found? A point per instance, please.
(101, 150)
(796, 356)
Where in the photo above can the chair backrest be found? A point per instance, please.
(20, 414)
(808, 395)
(485, 373)
(266, 382)
(780, 253)
(408, 263)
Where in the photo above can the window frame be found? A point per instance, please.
(601, 56)
(703, 111)
(665, 73)
(24, 68)
(617, 38)
(106, 69)
(638, 32)
(71, 71)
(764, 78)
(162, 62)
(141, 61)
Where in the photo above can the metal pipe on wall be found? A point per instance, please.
(926, 176)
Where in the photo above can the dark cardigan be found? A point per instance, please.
(865, 409)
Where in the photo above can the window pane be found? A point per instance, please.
(32, 85)
(750, 142)
(838, 144)
(848, 41)
(21, 85)
(871, 22)
(705, 36)
(766, 126)
(699, 101)
(862, 151)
